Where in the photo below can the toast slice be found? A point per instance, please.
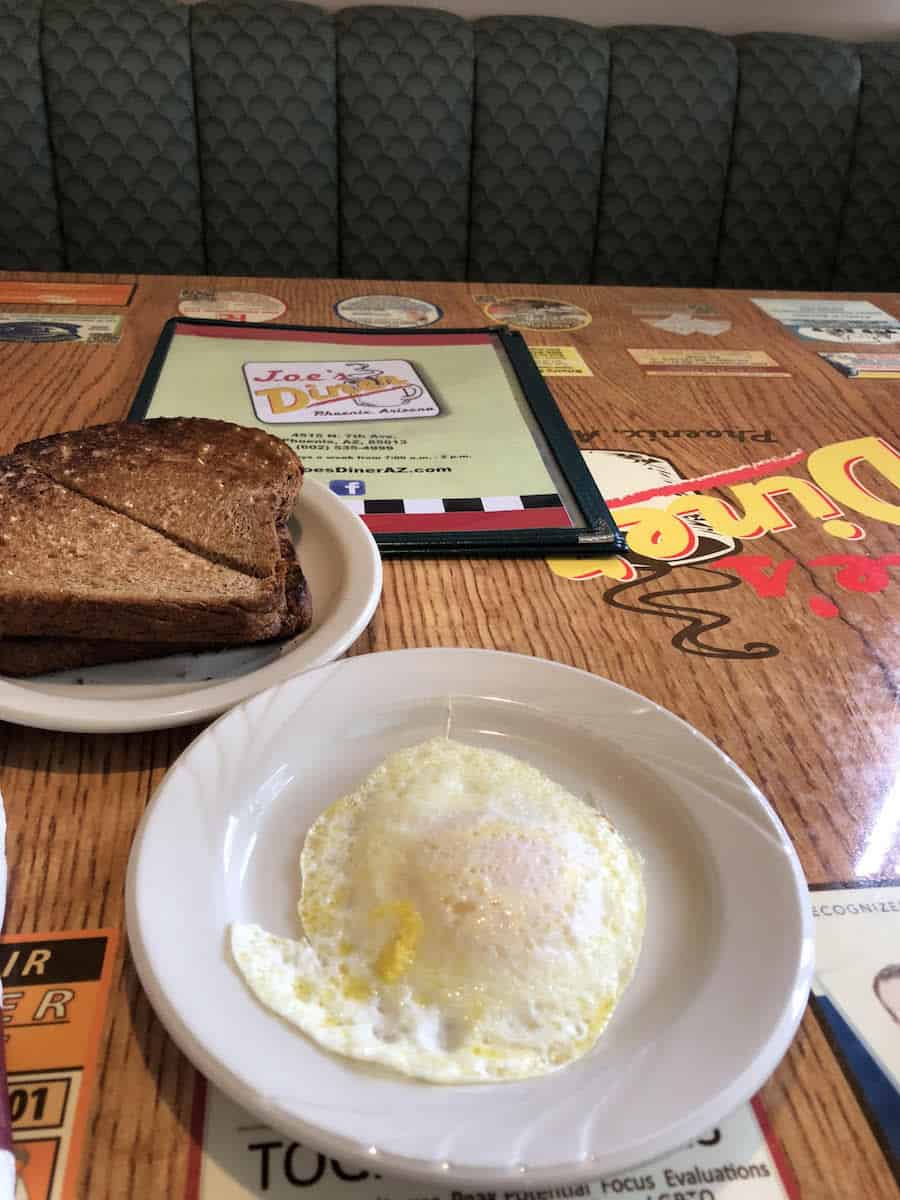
(25, 656)
(70, 567)
(216, 488)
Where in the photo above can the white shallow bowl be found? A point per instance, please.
(718, 993)
(342, 566)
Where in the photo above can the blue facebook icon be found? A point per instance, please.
(348, 487)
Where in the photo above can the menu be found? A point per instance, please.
(856, 995)
(444, 442)
(55, 990)
(237, 1158)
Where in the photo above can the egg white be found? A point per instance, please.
(465, 919)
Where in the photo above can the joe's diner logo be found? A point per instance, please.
(671, 521)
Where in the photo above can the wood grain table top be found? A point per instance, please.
(760, 605)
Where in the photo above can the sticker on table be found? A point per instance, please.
(853, 322)
(55, 292)
(388, 312)
(534, 312)
(709, 362)
(363, 390)
(229, 306)
(56, 987)
(560, 360)
(235, 1157)
(856, 991)
(683, 319)
(865, 366)
(49, 327)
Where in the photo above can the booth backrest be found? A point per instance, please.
(267, 137)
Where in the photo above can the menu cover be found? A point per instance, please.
(443, 442)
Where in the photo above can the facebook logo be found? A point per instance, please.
(348, 487)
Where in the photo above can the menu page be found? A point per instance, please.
(416, 434)
(856, 995)
(237, 1158)
(55, 991)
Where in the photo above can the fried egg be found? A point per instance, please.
(464, 918)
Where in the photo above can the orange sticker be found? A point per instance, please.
(55, 992)
(50, 292)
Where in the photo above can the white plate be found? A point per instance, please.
(720, 987)
(343, 569)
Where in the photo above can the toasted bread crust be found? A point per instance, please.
(242, 482)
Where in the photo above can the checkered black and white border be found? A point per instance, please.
(468, 504)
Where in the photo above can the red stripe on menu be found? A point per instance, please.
(468, 522)
(788, 1178)
(195, 1145)
(704, 483)
(248, 333)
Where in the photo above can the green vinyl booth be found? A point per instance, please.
(267, 137)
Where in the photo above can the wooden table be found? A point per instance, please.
(787, 657)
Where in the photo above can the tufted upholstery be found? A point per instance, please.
(264, 80)
(671, 100)
(270, 137)
(405, 113)
(793, 136)
(29, 219)
(540, 127)
(119, 96)
(869, 249)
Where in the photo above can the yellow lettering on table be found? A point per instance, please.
(656, 532)
(761, 511)
(613, 567)
(666, 534)
(766, 491)
(285, 399)
(834, 468)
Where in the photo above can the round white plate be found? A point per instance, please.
(343, 569)
(719, 989)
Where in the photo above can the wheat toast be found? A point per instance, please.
(72, 568)
(21, 657)
(243, 482)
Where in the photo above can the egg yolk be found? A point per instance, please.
(399, 952)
